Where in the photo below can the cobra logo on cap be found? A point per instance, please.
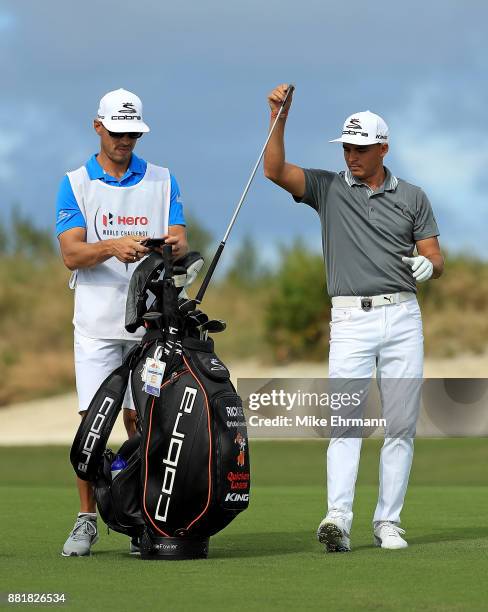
(128, 108)
(354, 124)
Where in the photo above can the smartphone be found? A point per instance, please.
(151, 243)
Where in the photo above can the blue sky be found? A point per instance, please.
(203, 70)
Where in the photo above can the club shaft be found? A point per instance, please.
(218, 253)
(255, 169)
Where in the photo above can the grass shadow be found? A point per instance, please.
(279, 543)
(263, 544)
(445, 535)
(452, 535)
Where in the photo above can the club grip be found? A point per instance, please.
(290, 90)
(210, 271)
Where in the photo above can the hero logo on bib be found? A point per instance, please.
(110, 219)
(126, 224)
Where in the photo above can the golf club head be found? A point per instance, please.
(213, 326)
(197, 317)
(179, 276)
(187, 268)
(186, 305)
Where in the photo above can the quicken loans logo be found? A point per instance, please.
(173, 456)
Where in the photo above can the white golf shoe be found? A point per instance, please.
(388, 535)
(82, 537)
(332, 532)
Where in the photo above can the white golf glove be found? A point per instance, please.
(422, 267)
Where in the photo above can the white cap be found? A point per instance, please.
(121, 111)
(364, 128)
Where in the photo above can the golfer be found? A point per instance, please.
(379, 239)
(105, 209)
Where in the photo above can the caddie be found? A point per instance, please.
(379, 238)
(105, 209)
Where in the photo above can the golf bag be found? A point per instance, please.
(187, 473)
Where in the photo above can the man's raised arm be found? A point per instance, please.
(288, 176)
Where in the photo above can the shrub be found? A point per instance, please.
(297, 313)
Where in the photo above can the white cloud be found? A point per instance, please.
(7, 20)
(36, 149)
(38, 137)
(441, 147)
(9, 143)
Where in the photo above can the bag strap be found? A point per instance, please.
(95, 428)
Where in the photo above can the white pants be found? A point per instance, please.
(389, 338)
(95, 359)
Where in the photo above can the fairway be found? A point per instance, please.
(268, 558)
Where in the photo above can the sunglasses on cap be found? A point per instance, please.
(118, 135)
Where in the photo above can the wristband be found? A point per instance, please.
(274, 114)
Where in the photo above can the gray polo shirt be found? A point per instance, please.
(365, 234)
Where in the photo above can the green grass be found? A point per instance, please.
(268, 558)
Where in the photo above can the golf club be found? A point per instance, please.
(213, 326)
(218, 253)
